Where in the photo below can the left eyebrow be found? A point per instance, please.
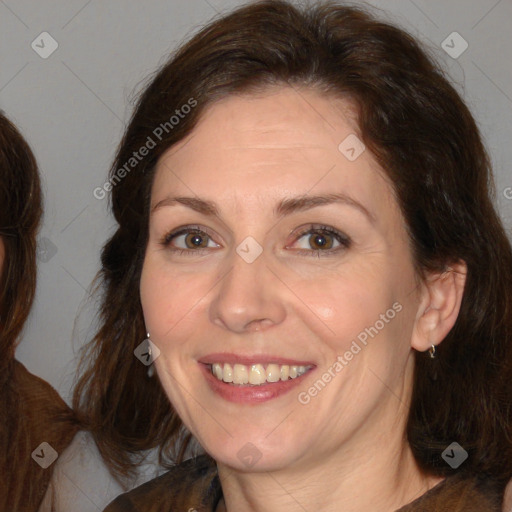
(284, 207)
(301, 203)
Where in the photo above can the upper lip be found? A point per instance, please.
(230, 358)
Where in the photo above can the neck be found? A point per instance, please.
(328, 486)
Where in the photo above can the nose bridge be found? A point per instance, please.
(246, 295)
(246, 276)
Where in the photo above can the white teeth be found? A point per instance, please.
(227, 374)
(256, 374)
(273, 373)
(217, 370)
(240, 374)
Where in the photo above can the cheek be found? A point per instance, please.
(360, 304)
(347, 298)
(170, 299)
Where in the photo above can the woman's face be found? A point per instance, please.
(276, 242)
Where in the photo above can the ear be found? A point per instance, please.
(440, 300)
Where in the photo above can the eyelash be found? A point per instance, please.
(344, 240)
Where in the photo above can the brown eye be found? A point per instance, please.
(188, 240)
(196, 239)
(322, 240)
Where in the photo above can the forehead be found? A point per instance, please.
(281, 141)
(278, 117)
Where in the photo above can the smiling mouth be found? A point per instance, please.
(256, 374)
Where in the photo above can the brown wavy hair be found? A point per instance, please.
(32, 410)
(20, 215)
(426, 140)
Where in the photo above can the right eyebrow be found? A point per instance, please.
(203, 206)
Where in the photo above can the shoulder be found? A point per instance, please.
(194, 484)
(36, 393)
(82, 481)
(41, 425)
(47, 417)
(459, 493)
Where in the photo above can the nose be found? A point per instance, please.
(249, 297)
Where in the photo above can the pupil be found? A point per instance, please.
(195, 239)
(320, 240)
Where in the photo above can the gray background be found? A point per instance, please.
(73, 106)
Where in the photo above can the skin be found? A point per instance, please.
(344, 450)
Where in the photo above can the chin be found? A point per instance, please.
(252, 453)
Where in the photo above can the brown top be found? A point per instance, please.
(35, 414)
(194, 485)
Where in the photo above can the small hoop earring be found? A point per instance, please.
(151, 367)
(432, 352)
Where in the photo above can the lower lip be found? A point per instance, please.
(248, 394)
